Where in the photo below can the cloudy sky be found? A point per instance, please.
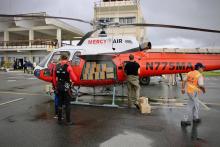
(194, 13)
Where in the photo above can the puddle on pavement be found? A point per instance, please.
(10, 119)
(42, 115)
(151, 128)
(20, 88)
(44, 111)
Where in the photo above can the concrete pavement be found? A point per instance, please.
(28, 119)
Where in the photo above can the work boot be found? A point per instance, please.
(185, 123)
(56, 116)
(198, 120)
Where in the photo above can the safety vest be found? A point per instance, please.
(192, 81)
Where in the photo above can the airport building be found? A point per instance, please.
(32, 38)
(124, 12)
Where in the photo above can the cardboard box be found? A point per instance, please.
(91, 76)
(109, 69)
(102, 75)
(92, 70)
(86, 70)
(97, 75)
(143, 105)
(88, 64)
(98, 68)
(93, 64)
(143, 100)
(145, 108)
(85, 76)
(103, 67)
(110, 75)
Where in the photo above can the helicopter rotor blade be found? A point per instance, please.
(42, 16)
(87, 35)
(171, 26)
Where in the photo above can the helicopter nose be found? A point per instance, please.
(37, 73)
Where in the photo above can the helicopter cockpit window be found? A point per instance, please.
(75, 60)
(77, 53)
(56, 56)
(44, 61)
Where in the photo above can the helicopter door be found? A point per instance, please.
(75, 60)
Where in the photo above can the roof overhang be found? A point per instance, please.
(19, 24)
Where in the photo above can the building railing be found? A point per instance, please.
(38, 43)
(112, 3)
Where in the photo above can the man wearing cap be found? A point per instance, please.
(194, 86)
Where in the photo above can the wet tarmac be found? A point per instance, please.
(27, 118)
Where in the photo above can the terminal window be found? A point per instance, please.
(127, 20)
(106, 19)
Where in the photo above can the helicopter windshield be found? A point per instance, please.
(44, 61)
(56, 57)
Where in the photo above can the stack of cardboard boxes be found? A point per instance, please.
(94, 71)
(110, 73)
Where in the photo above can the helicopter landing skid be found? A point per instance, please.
(77, 102)
(96, 105)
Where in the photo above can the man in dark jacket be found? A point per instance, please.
(25, 66)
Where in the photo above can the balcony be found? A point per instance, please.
(27, 45)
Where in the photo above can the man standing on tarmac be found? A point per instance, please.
(132, 69)
(194, 86)
(61, 77)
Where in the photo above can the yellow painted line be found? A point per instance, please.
(9, 92)
(11, 101)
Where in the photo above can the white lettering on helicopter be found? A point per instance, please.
(97, 41)
(169, 66)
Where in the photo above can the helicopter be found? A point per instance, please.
(107, 68)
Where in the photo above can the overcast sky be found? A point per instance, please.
(194, 13)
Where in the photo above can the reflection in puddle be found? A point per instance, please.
(44, 111)
(193, 137)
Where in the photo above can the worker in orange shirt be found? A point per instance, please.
(194, 87)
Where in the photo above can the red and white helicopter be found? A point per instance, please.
(100, 61)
